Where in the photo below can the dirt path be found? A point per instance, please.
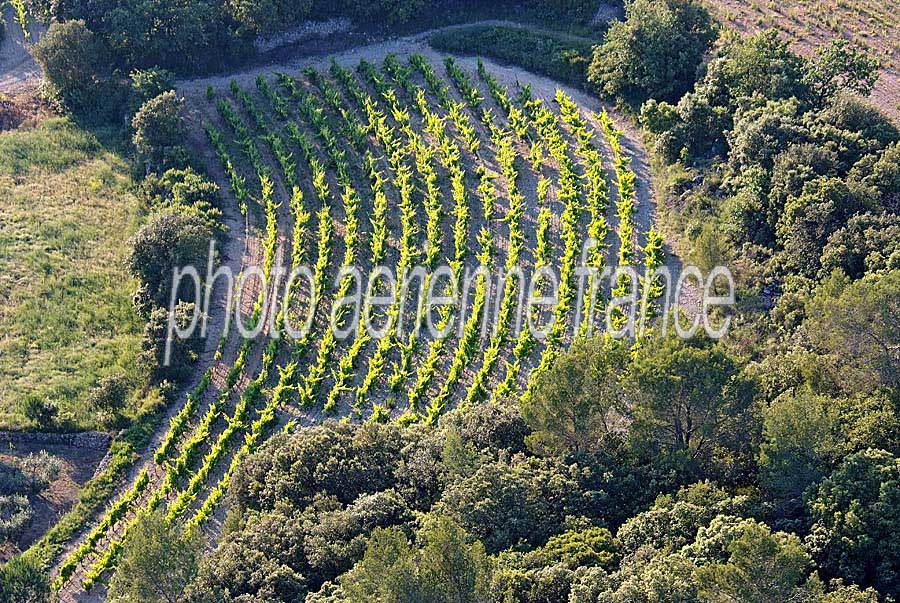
(402, 45)
(18, 69)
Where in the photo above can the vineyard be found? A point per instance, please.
(407, 160)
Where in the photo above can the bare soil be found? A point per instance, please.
(78, 466)
(18, 69)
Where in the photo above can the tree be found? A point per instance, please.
(673, 522)
(490, 426)
(654, 53)
(809, 219)
(801, 443)
(521, 501)
(73, 62)
(452, 568)
(762, 132)
(839, 67)
(762, 64)
(333, 459)
(792, 169)
(169, 240)
(858, 324)
(448, 568)
(664, 578)
(747, 75)
(158, 561)
(686, 398)
(585, 548)
(387, 571)
(885, 177)
(159, 129)
(869, 242)
(572, 406)
(856, 515)
(864, 128)
(335, 540)
(762, 567)
(848, 594)
(23, 580)
(183, 36)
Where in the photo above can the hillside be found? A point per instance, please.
(870, 25)
(436, 307)
(253, 127)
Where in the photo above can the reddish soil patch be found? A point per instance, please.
(78, 466)
(23, 110)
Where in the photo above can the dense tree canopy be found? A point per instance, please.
(573, 407)
(654, 52)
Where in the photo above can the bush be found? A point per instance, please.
(557, 57)
(149, 83)
(169, 240)
(23, 580)
(183, 354)
(12, 480)
(73, 61)
(654, 53)
(41, 411)
(159, 130)
(15, 514)
(40, 470)
(183, 189)
(109, 396)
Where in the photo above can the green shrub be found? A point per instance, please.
(159, 130)
(557, 56)
(15, 514)
(74, 62)
(22, 580)
(655, 52)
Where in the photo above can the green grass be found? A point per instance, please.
(66, 210)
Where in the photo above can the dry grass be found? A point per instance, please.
(871, 25)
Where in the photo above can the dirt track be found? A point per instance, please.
(18, 70)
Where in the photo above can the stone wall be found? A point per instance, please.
(84, 439)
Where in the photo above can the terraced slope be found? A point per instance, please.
(396, 161)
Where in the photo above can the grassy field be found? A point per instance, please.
(873, 25)
(66, 208)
